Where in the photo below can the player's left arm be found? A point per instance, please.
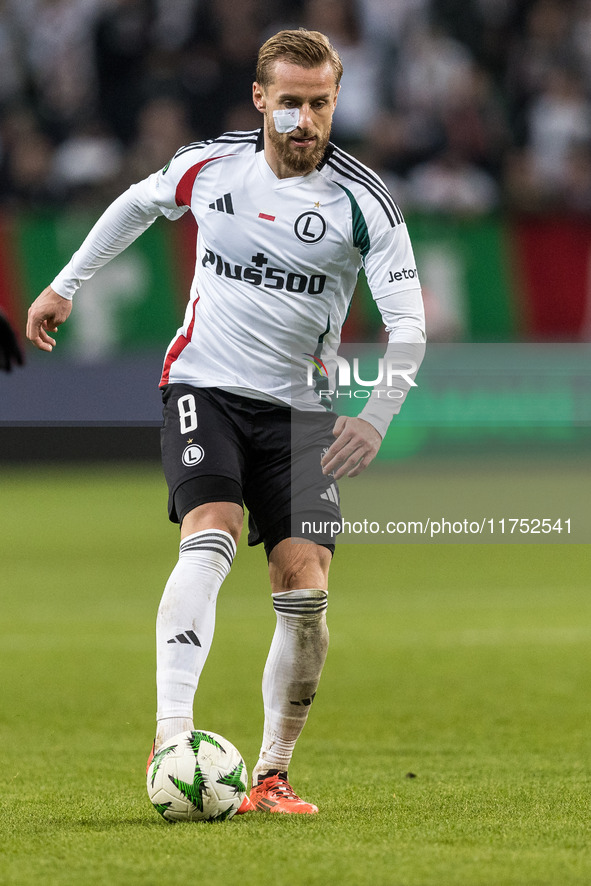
(390, 267)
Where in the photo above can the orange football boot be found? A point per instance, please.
(245, 806)
(275, 794)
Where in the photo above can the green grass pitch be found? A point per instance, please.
(466, 665)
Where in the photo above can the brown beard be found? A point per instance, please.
(300, 162)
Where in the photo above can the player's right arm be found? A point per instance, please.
(123, 221)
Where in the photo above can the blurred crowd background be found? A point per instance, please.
(461, 105)
(477, 113)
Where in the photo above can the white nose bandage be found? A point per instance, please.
(286, 120)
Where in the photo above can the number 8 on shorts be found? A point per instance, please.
(187, 413)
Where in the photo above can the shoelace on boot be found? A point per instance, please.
(282, 788)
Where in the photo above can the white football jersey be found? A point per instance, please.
(277, 260)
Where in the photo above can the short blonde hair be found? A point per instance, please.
(308, 49)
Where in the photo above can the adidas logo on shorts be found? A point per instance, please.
(331, 494)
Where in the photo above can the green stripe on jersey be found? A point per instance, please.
(360, 232)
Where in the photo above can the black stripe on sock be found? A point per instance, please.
(221, 544)
(211, 536)
(300, 605)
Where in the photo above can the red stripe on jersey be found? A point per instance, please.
(177, 348)
(267, 217)
(184, 192)
(184, 189)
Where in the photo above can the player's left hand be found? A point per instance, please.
(356, 445)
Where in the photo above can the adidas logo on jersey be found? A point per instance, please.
(223, 204)
(331, 494)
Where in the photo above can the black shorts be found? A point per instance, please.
(218, 446)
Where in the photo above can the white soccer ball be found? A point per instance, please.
(197, 776)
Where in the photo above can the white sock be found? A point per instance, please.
(169, 727)
(185, 626)
(292, 674)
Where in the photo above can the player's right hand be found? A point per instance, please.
(48, 311)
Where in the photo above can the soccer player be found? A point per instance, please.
(285, 222)
(10, 351)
